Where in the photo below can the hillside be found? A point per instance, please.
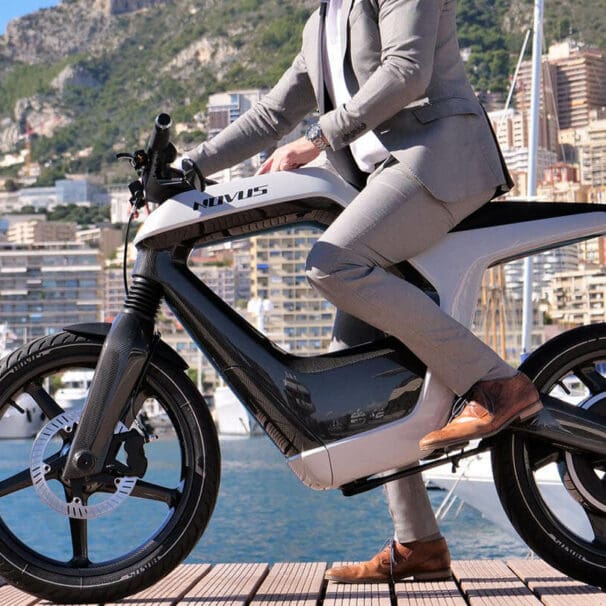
(86, 78)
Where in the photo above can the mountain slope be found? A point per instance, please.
(86, 78)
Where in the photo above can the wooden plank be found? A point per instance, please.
(226, 585)
(492, 583)
(170, 589)
(361, 594)
(553, 587)
(11, 596)
(428, 593)
(296, 584)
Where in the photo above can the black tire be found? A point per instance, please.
(155, 527)
(572, 367)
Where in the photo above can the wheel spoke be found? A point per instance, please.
(23, 479)
(591, 378)
(155, 492)
(19, 481)
(541, 454)
(79, 535)
(143, 490)
(44, 400)
(598, 524)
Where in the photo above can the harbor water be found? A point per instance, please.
(263, 514)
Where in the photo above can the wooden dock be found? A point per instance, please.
(475, 583)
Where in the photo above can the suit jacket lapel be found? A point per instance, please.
(345, 10)
(318, 77)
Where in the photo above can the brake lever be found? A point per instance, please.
(139, 160)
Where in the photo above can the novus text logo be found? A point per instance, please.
(243, 194)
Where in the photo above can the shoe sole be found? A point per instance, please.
(438, 575)
(530, 411)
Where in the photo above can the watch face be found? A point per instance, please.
(314, 134)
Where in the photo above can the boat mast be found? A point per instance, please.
(533, 144)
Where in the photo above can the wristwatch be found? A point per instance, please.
(315, 135)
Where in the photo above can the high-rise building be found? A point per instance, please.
(578, 297)
(560, 183)
(35, 231)
(580, 82)
(225, 108)
(512, 128)
(593, 150)
(296, 317)
(545, 266)
(47, 286)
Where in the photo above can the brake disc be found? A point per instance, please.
(39, 468)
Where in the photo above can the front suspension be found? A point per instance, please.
(123, 360)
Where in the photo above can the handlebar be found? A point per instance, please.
(158, 179)
(160, 137)
(160, 151)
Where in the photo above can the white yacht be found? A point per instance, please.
(22, 420)
(231, 418)
(74, 388)
(473, 484)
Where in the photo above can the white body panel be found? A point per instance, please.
(454, 266)
(266, 190)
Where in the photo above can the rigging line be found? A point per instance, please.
(515, 78)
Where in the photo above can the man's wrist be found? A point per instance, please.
(315, 135)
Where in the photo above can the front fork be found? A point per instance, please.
(123, 360)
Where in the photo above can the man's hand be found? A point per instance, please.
(290, 156)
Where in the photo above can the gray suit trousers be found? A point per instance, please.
(392, 219)
(395, 218)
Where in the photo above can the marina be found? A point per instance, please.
(474, 583)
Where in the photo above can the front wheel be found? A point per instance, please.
(117, 532)
(556, 498)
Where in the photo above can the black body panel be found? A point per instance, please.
(301, 402)
(506, 213)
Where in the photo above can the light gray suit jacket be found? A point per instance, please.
(408, 84)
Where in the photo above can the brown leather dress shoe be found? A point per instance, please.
(421, 560)
(492, 405)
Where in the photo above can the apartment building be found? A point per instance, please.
(36, 230)
(298, 319)
(46, 286)
(225, 108)
(580, 82)
(593, 150)
(578, 297)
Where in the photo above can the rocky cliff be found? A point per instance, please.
(91, 74)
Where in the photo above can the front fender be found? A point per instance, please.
(99, 331)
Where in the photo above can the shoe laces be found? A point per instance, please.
(392, 556)
(458, 406)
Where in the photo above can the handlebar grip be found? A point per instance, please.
(160, 137)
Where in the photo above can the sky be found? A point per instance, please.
(9, 9)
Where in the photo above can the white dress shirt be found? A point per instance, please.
(367, 150)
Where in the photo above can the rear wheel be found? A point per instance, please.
(125, 528)
(556, 498)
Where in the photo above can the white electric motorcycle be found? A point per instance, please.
(349, 420)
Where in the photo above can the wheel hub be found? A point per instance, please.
(39, 468)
